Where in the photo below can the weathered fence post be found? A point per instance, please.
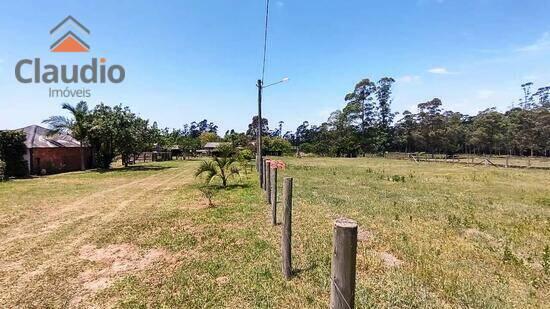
(286, 242)
(273, 198)
(529, 162)
(507, 160)
(268, 183)
(265, 175)
(262, 180)
(344, 254)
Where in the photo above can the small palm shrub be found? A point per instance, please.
(221, 166)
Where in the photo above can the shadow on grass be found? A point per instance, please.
(236, 186)
(135, 168)
(298, 271)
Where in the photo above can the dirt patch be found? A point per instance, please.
(472, 233)
(111, 263)
(390, 260)
(222, 280)
(364, 235)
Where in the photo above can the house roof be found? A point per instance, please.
(39, 137)
(213, 144)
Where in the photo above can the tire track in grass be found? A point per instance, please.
(64, 252)
(57, 216)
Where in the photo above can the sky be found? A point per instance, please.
(190, 60)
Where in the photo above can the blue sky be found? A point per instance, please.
(189, 60)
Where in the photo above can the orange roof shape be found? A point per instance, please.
(69, 43)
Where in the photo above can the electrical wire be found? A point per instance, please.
(265, 38)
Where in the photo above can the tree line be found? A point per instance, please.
(117, 132)
(365, 125)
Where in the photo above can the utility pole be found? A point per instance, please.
(259, 165)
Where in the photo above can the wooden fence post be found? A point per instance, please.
(286, 242)
(273, 198)
(268, 183)
(266, 167)
(344, 254)
(507, 159)
(262, 181)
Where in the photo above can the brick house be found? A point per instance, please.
(55, 153)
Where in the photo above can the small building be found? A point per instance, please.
(210, 148)
(53, 153)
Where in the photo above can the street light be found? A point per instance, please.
(259, 165)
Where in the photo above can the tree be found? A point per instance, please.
(207, 137)
(78, 127)
(281, 128)
(488, 131)
(430, 122)
(253, 127)
(189, 145)
(236, 139)
(360, 104)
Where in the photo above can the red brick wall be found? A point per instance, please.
(58, 160)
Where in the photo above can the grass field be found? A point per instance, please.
(431, 235)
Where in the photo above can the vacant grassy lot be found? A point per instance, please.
(432, 235)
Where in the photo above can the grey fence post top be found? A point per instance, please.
(345, 223)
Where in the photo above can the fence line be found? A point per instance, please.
(344, 252)
(496, 161)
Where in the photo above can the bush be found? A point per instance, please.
(277, 144)
(17, 169)
(2, 170)
(12, 149)
(225, 151)
(208, 193)
(103, 158)
(246, 155)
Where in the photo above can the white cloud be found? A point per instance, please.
(408, 79)
(485, 94)
(439, 70)
(542, 44)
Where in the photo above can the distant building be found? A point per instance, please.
(55, 153)
(211, 148)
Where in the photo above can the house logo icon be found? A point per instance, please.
(69, 42)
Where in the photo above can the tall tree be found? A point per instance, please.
(254, 126)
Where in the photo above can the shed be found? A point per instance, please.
(211, 147)
(54, 153)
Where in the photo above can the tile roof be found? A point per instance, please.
(39, 137)
(214, 144)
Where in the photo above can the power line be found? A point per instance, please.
(265, 37)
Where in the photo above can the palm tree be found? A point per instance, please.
(77, 127)
(219, 167)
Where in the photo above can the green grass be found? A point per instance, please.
(467, 237)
